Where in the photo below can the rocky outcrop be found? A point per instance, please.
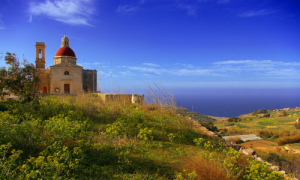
(248, 151)
(251, 152)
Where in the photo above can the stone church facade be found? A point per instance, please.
(65, 76)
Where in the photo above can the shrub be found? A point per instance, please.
(224, 131)
(209, 125)
(229, 124)
(266, 115)
(261, 111)
(276, 159)
(204, 169)
(282, 114)
(288, 140)
(234, 119)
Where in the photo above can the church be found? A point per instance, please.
(65, 76)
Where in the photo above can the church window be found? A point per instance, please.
(66, 73)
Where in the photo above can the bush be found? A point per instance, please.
(276, 159)
(266, 115)
(282, 114)
(234, 119)
(223, 131)
(261, 111)
(289, 140)
(229, 124)
(209, 125)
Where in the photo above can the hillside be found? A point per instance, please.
(197, 116)
(281, 138)
(264, 120)
(78, 137)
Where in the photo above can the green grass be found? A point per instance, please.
(286, 120)
(241, 125)
(64, 137)
(295, 146)
(267, 122)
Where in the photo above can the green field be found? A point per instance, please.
(79, 137)
(274, 122)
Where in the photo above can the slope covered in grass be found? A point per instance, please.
(196, 116)
(79, 137)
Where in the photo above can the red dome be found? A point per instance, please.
(65, 51)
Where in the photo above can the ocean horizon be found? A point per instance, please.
(228, 103)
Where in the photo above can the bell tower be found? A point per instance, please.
(40, 55)
(65, 41)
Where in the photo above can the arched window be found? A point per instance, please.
(40, 54)
(66, 73)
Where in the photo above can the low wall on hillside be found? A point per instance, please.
(122, 98)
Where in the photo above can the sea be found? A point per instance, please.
(235, 102)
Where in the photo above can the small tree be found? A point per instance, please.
(3, 74)
(20, 78)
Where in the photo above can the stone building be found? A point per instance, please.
(65, 76)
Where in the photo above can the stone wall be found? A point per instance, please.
(44, 76)
(89, 81)
(122, 98)
(58, 79)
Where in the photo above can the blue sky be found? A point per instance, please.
(183, 44)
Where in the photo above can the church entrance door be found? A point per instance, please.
(44, 90)
(67, 88)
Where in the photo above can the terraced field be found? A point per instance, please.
(257, 122)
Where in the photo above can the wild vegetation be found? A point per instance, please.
(276, 126)
(79, 137)
(289, 162)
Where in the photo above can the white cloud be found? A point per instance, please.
(126, 73)
(195, 72)
(262, 67)
(150, 64)
(147, 69)
(232, 68)
(185, 65)
(76, 12)
(96, 63)
(284, 73)
(174, 71)
(127, 9)
(234, 84)
(256, 63)
(256, 13)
